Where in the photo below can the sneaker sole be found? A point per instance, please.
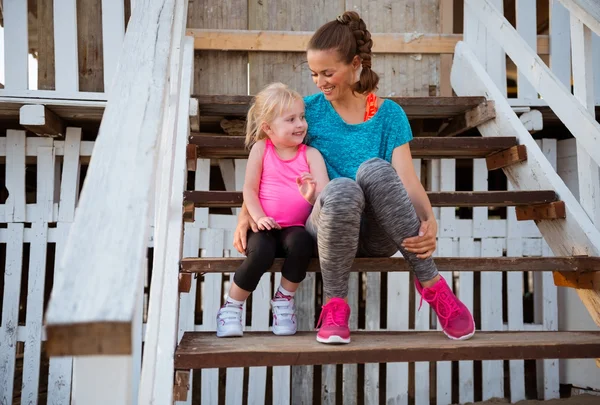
(334, 339)
(465, 337)
(284, 332)
(230, 334)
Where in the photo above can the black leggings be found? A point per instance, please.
(293, 243)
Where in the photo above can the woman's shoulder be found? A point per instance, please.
(391, 108)
(313, 100)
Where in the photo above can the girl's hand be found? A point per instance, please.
(245, 222)
(425, 243)
(267, 223)
(307, 187)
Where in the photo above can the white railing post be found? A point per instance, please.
(583, 86)
(560, 43)
(113, 32)
(16, 45)
(527, 28)
(65, 47)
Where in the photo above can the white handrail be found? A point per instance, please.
(94, 301)
(588, 11)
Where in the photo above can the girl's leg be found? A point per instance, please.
(260, 256)
(296, 245)
(389, 209)
(335, 223)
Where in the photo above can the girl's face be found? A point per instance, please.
(288, 129)
(331, 75)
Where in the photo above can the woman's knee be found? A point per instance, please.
(343, 192)
(374, 169)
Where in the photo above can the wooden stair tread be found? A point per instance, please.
(227, 146)
(205, 350)
(388, 264)
(415, 107)
(438, 199)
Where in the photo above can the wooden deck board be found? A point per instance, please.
(227, 146)
(438, 199)
(390, 264)
(205, 350)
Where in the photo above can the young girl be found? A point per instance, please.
(283, 179)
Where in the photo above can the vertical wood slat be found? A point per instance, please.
(69, 186)
(596, 64)
(527, 28)
(444, 368)
(560, 43)
(372, 317)
(65, 46)
(10, 312)
(44, 208)
(16, 45)
(35, 308)
(514, 248)
(491, 318)
(466, 389)
(350, 371)
(282, 376)
(45, 46)
(15, 209)
(113, 32)
(302, 376)
(90, 52)
(61, 368)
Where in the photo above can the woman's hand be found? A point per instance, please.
(307, 186)
(425, 243)
(245, 222)
(267, 223)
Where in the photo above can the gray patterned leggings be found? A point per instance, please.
(369, 217)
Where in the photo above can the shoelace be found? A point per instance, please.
(332, 314)
(444, 302)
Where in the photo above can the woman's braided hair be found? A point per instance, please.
(349, 36)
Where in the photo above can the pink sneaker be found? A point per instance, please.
(333, 322)
(454, 316)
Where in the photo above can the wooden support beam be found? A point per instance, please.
(533, 121)
(471, 119)
(185, 282)
(584, 281)
(181, 385)
(188, 211)
(297, 41)
(506, 157)
(567, 264)
(537, 212)
(191, 156)
(41, 121)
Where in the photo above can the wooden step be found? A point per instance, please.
(226, 146)
(205, 350)
(388, 264)
(414, 107)
(438, 199)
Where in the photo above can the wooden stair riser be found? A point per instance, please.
(507, 157)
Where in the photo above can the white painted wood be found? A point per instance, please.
(113, 32)
(15, 209)
(575, 117)
(16, 45)
(514, 248)
(161, 331)
(125, 176)
(302, 376)
(527, 28)
(261, 300)
(560, 43)
(211, 294)
(69, 186)
(576, 231)
(350, 371)
(10, 311)
(202, 183)
(596, 63)
(480, 214)
(61, 368)
(583, 88)
(65, 46)
(491, 319)
(422, 323)
(587, 11)
(444, 368)
(398, 285)
(35, 308)
(85, 149)
(466, 391)
(533, 120)
(93, 374)
(45, 186)
(372, 317)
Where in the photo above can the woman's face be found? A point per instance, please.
(331, 75)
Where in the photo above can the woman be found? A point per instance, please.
(374, 204)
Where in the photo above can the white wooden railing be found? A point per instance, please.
(137, 170)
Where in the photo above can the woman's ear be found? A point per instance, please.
(356, 62)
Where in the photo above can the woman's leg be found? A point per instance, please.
(335, 223)
(389, 209)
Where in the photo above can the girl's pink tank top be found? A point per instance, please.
(278, 193)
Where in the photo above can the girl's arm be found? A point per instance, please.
(252, 181)
(424, 244)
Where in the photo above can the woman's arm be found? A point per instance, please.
(245, 222)
(424, 244)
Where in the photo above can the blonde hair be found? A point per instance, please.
(268, 104)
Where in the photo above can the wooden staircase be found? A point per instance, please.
(198, 350)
